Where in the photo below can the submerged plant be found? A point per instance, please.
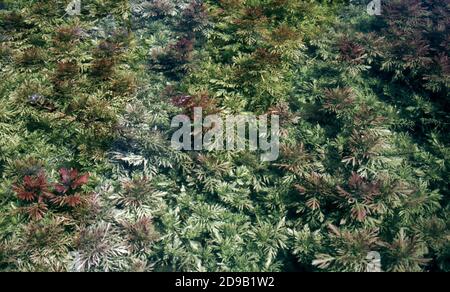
(35, 192)
(68, 191)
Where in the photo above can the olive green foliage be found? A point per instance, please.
(89, 181)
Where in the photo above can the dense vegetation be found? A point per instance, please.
(89, 181)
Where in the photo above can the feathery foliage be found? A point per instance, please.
(89, 181)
